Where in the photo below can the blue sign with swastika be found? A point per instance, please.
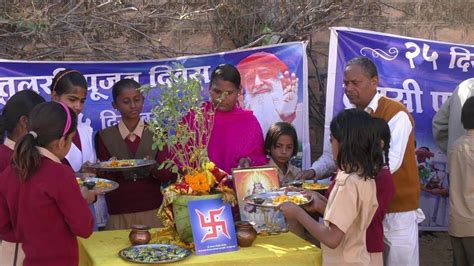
(213, 226)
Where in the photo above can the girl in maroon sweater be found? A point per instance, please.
(137, 199)
(13, 126)
(41, 204)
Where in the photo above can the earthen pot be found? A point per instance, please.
(139, 235)
(246, 234)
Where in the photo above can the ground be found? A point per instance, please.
(435, 249)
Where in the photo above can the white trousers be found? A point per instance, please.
(401, 238)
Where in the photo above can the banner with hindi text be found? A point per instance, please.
(421, 74)
(264, 84)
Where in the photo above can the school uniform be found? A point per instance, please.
(351, 206)
(137, 199)
(82, 150)
(45, 213)
(6, 153)
(290, 174)
(10, 253)
(374, 236)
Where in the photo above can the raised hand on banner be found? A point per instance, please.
(286, 104)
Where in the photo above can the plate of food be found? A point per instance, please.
(98, 184)
(154, 253)
(315, 186)
(275, 198)
(114, 165)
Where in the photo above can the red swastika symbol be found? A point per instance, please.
(213, 224)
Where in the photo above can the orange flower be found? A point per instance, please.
(198, 181)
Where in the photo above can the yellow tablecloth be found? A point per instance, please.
(102, 248)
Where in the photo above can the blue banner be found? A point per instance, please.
(421, 74)
(267, 89)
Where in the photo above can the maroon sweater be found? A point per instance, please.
(5, 157)
(134, 196)
(45, 213)
(385, 192)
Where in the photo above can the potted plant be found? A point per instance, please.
(182, 122)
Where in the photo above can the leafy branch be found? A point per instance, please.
(181, 122)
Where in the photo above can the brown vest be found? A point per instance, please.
(406, 179)
(117, 147)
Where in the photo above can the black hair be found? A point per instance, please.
(123, 85)
(359, 145)
(384, 134)
(65, 80)
(47, 121)
(467, 113)
(226, 72)
(20, 104)
(275, 131)
(366, 64)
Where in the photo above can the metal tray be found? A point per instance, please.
(122, 165)
(267, 199)
(154, 253)
(101, 185)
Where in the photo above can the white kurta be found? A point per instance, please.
(75, 156)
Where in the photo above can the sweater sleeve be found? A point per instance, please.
(73, 206)
(385, 193)
(6, 228)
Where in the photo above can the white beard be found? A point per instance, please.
(263, 108)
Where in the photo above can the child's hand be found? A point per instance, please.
(305, 174)
(289, 209)
(317, 204)
(89, 195)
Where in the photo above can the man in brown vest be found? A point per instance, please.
(401, 222)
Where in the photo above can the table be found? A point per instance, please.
(284, 249)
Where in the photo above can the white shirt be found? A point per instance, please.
(77, 157)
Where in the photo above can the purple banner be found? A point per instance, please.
(264, 82)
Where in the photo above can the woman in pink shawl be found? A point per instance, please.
(236, 139)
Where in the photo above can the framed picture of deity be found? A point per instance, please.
(249, 181)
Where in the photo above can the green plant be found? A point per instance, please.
(181, 121)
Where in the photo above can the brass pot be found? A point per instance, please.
(246, 234)
(139, 235)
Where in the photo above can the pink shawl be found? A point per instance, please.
(236, 134)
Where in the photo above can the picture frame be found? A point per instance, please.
(253, 180)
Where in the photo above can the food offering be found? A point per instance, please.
(296, 199)
(154, 253)
(274, 198)
(315, 186)
(98, 184)
(121, 165)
